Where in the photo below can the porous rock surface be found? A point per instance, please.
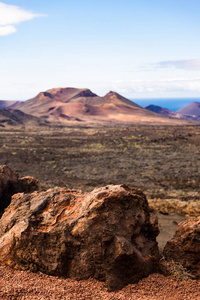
(109, 234)
(184, 247)
(10, 184)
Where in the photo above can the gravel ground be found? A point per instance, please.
(16, 284)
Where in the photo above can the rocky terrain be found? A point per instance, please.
(49, 232)
(163, 161)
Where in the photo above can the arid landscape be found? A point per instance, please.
(161, 160)
(73, 139)
(99, 150)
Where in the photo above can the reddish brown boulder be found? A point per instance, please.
(184, 248)
(10, 184)
(109, 234)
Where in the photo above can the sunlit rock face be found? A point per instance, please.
(109, 234)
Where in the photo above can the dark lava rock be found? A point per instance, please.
(10, 184)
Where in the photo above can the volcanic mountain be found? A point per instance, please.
(161, 110)
(72, 104)
(191, 109)
(192, 114)
(9, 104)
(16, 117)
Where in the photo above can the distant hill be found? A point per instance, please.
(9, 104)
(191, 109)
(160, 110)
(58, 98)
(172, 114)
(16, 117)
(72, 104)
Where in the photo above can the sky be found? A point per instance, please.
(138, 48)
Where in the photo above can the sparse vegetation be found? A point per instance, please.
(175, 269)
(161, 160)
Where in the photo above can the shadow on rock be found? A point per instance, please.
(109, 234)
(10, 184)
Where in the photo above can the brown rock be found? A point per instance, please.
(109, 234)
(8, 179)
(10, 184)
(184, 248)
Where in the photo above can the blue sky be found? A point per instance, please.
(140, 49)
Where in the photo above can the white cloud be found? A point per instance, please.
(11, 15)
(190, 64)
(159, 87)
(6, 30)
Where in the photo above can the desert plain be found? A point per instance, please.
(162, 160)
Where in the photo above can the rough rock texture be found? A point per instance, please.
(10, 184)
(109, 234)
(184, 248)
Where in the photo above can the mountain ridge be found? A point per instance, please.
(71, 104)
(9, 104)
(63, 104)
(177, 114)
